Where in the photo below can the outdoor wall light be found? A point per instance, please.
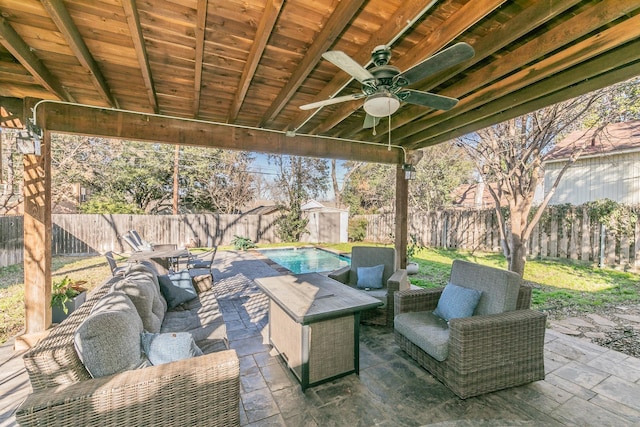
(409, 171)
(28, 143)
(28, 140)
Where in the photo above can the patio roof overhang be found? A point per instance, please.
(148, 65)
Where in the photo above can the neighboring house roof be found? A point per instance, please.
(613, 139)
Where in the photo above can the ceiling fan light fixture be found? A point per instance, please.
(381, 104)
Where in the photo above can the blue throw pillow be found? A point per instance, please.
(370, 277)
(177, 289)
(457, 301)
(166, 348)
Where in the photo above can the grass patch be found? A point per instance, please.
(557, 283)
(92, 269)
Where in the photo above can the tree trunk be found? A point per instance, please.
(518, 255)
(334, 181)
(176, 163)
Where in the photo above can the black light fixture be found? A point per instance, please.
(409, 171)
(28, 140)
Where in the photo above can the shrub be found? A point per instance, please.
(291, 226)
(242, 243)
(357, 229)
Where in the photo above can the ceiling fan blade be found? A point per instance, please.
(370, 121)
(427, 99)
(331, 101)
(347, 64)
(442, 60)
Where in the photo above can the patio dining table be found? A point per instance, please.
(165, 256)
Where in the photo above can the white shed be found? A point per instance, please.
(608, 168)
(326, 224)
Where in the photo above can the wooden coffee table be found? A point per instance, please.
(314, 323)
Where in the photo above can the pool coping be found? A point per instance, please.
(256, 252)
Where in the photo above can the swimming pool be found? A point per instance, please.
(306, 260)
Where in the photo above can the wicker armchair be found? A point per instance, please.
(485, 352)
(392, 280)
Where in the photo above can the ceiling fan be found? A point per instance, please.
(384, 86)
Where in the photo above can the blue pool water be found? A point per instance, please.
(306, 260)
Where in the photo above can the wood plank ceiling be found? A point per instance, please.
(254, 62)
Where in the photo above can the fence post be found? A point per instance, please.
(602, 238)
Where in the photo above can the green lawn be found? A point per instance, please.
(556, 283)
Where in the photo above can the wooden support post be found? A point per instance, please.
(37, 239)
(402, 208)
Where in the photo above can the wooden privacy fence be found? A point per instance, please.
(93, 234)
(560, 234)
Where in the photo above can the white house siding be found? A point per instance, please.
(615, 177)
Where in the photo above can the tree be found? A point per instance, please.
(10, 173)
(299, 178)
(138, 173)
(444, 167)
(510, 154)
(351, 167)
(216, 180)
(369, 188)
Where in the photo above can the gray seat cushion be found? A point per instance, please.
(201, 317)
(426, 330)
(366, 256)
(380, 294)
(499, 287)
(148, 271)
(108, 340)
(140, 291)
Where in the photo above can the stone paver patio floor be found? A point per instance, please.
(585, 384)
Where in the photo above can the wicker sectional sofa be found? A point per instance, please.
(202, 390)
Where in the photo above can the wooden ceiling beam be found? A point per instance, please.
(518, 26)
(594, 83)
(409, 11)
(583, 71)
(605, 41)
(340, 18)
(12, 41)
(75, 119)
(201, 23)
(464, 18)
(263, 32)
(60, 16)
(133, 21)
(590, 20)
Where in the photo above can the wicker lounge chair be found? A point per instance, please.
(392, 280)
(486, 352)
